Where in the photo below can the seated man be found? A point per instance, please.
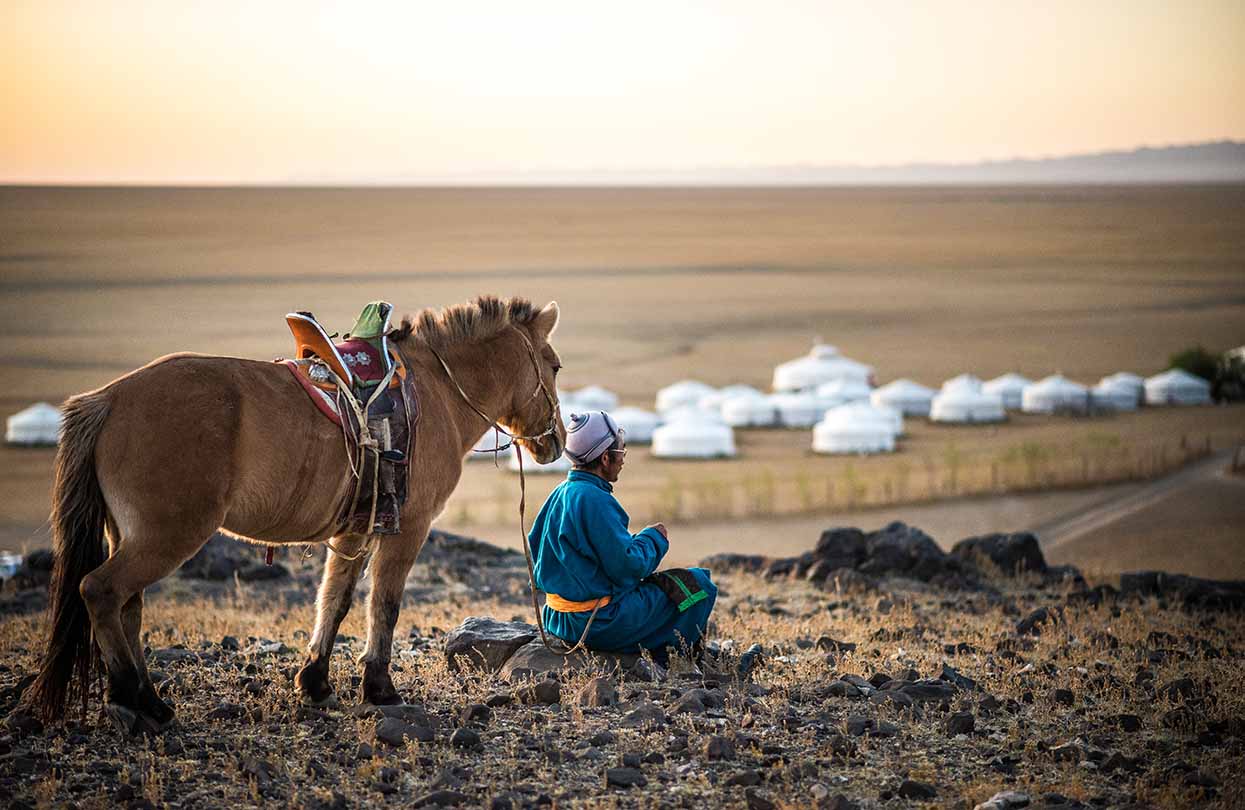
(585, 555)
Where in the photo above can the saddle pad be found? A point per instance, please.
(362, 358)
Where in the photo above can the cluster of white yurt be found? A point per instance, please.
(797, 409)
(843, 391)
(1177, 387)
(905, 396)
(963, 399)
(38, 425)
(857, 428)
(714, 401)
(682, 394)
(821, 365)
(594, 398)
(749, 410)
(690, 432)
(1117, 392)
(637, 423)
(1055, 394)
(1010, 388)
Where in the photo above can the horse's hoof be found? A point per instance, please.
(134, 724)
(329, 701)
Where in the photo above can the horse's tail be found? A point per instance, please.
(71, 658)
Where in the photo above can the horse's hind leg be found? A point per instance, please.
(394, 559)
(332, 605)
(114, 589)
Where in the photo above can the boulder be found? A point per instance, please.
(1192, 592)
(746, 563)
(486, 643)
(841, 548)
(899, 549)
(1012, 553)
(222, 558)
(534, 658)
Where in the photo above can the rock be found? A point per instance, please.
(1032, 624)
(718, 747)
(465, 738)
(1011, 553)
(745, 563)
(927, 690)
(697, 701)
(953, 677)
(1181, 689)
(546, 692)
(836, 802)
(226, 711)
(1128, 722)
(1063, 697)
(172, 655)
(395, 732)
(646, 715)
(960, 723)
(756, 800)
(230, 644)
(441, 798)
(1192, 592)
(223, 558)
(625, 778)
(901, 549)
(603, 738)
(841, 548)
(847, 580)
(831, 645)
(1006, 800)
(598, 692)
(912, 789)
(486, 643)
(842, 689)
(475, 714)
(746, 778)
(408, 712)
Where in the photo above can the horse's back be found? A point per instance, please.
(198, 439)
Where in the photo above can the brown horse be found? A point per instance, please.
(159, 459)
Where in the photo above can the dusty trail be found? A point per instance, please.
(1123, 503)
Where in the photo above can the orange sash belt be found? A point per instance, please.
(567, 606)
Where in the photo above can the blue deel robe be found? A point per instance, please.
(582, 549)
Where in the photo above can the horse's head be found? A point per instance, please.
(534, 408)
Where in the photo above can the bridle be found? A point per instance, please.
(551, 429)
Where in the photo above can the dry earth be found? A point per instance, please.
(1028, 684)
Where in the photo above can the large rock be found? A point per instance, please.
(534, 659)
(1192, 592)
(1012, 553)
(747, 563)
(486, 643)
(222, 557)
(840, 548)
(902, 549)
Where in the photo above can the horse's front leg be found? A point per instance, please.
(394, 557)
(332, 605)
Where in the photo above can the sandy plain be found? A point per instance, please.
(657, 285)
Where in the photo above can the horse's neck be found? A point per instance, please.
(486, 374)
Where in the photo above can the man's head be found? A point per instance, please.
(596, 444)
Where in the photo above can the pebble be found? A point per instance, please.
(646, 715)
(719, 747)
(746, 778)
(465, 738)
(960, 723)
(1005, 800)
(912, 789)
(625, 778)
(603, 738)
(756, 800)
(598, 692)
(395, 732)
(441, 798)
(475, 714)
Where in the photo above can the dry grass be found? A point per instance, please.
(788, 731)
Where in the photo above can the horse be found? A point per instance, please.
(159, 459)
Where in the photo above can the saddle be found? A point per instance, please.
(362, 385)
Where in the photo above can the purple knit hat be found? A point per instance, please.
(589, 435)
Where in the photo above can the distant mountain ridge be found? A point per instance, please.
(1212, 162)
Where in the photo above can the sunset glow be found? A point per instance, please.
(391, 92)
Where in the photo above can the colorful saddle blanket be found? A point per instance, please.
(362, 376)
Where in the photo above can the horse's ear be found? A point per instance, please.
(546, 320)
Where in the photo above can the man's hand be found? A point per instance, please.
(660, 527)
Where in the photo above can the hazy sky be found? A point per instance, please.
(223, 91)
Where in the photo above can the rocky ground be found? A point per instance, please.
(892, 675)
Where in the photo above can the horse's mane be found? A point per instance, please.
(472, 322)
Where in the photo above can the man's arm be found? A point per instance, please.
(627, 558)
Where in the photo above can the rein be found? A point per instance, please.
(518, 450)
